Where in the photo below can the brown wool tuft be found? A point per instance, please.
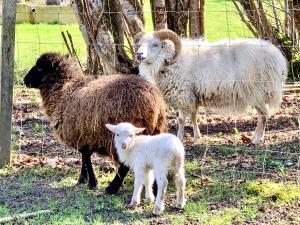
(79, 106)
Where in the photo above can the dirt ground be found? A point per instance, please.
(223, 149)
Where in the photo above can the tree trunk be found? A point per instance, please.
(104, 25)
(177, 16)
(159, 14)
(294, 11)
(196, 17)
(253, 14)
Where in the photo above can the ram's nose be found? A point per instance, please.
(139, 56)
(124, 145)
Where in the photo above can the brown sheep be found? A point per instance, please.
(79, 106)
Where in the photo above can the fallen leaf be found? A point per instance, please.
(245, 139)
(263, 208)
(205, 181)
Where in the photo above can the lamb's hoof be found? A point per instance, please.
(150, 199)
(92, 184)
(112, 189)
(132, 205)
(180, 205)
(158, 210)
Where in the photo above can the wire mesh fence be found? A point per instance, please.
(224, 149)
(277, 155)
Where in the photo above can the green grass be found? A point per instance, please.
(219, 202)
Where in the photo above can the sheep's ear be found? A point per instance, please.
(110, 127)
(164, 44)
(138, 130)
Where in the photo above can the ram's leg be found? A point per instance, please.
(162, 183)
(197, 134)
(83, 174)
(181, 119)
(261, 124)
(138, 186)
(116, 183)
(92, 181)
(148, 181)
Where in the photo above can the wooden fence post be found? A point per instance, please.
(6, 77)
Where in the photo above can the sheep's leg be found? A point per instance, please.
(196, 130)
(180, 185)
(83, 174)
(162, 183)
(148, 181)
(138, 186)
(261, 124)
(116, 183)
(92, 181)
(181, 119)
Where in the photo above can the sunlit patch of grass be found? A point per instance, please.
(279, 192)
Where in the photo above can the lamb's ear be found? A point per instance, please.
(110, 127)
(138, 130)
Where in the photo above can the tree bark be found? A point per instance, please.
(159, 14)
(294, 11)
(177, 16)
(196, 17)
(260, 23)
(104, 26)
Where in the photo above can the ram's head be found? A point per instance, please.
(150, 47)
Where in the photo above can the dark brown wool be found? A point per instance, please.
(79, 106)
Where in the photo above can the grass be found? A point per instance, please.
(221, 201)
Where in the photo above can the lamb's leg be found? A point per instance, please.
(138, 186)
(261, 124)
(116, 183)
(180, 185)
(162, 183)
(197, 134)
(181, 119)
(148, 181)
(92, 181)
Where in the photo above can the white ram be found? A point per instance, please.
(226, 76)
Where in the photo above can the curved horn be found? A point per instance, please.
(138, 36)
(172, 36)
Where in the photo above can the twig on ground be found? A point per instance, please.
(23, 216)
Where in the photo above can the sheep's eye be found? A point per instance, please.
(131, 136)
(39, 69)
(118, 135)
(155, 45)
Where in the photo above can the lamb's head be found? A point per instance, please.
(124, 135)
(157, 49)
(47, 70)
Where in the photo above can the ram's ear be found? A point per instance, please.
(164, 43)
(110, 127)
(138, 130)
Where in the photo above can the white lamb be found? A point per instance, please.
(226, 76)
(148, 154)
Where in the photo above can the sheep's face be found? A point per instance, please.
(150, 49)
(124, 135)
(44, 67)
